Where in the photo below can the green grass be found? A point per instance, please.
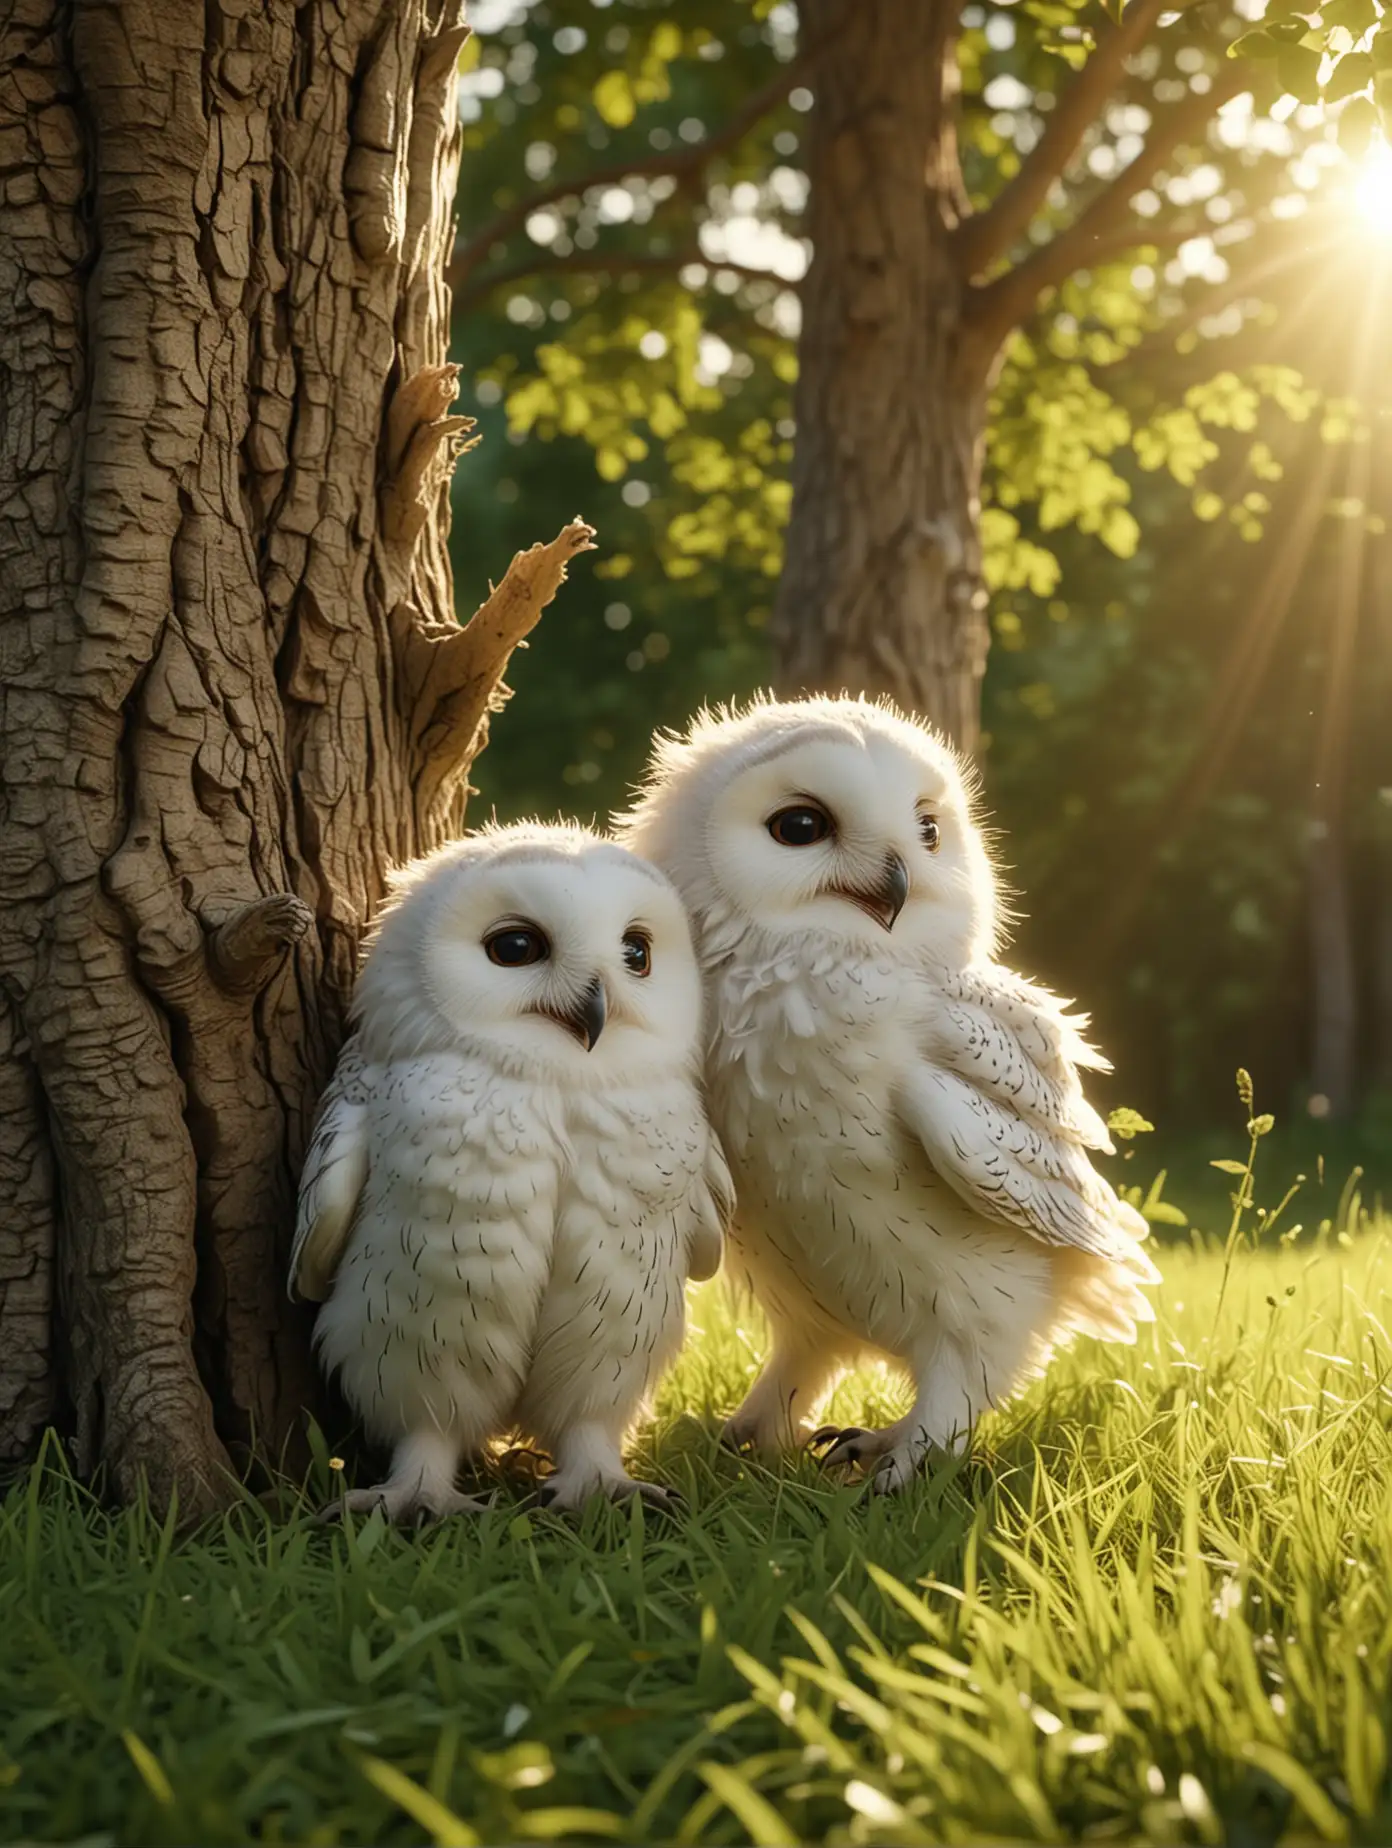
(1156, 1605)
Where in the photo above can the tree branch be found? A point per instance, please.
(680, 163)
(1163, 234)
(988, 235)
(1006, 301)
(621, 263)
(451, 678)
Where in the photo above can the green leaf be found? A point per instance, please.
(1355, 16)
(1071, 51)
(1258, 44)
(1128, 1123)
(1298, 69)
(1120, 532)
(1161, 1213)
(613, 98)
(1351, 73)
(1230, 1167)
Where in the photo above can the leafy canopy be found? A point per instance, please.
(631, 229)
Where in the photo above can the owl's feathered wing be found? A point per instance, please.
(334, 1172)
(998, 1107)
(713, 1203)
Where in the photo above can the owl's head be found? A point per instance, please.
(559, 953)
(839, 817)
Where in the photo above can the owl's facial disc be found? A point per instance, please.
(806, 822)
(858, 837)
(519, 944)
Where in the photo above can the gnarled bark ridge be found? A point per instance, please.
(232, 689)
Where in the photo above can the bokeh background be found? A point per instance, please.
(1188, 703)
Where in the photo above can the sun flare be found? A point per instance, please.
(1372, 189)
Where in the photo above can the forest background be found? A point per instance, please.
(1186, 738)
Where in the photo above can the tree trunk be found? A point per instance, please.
(233, 690)
(1382, 961)
(1334, 992)
(1334, 1049)
(881, 589)
(1379, 617)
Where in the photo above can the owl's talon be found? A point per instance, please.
(570, 1497)
(664, 1501)
(895, 1472)
(828, 1437)
(403, 1507)
(755, 1437)
(843, 1446)
(843, 1455)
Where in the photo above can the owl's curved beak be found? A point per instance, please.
(887, 897)
(587, 1017)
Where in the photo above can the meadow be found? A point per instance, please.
(1154, 1604)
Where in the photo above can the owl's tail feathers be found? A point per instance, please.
(1103, 1297)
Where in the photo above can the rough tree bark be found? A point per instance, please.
(232, 690)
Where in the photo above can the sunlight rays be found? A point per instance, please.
(1239, 680)
(1371, 192)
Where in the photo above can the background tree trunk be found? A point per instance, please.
(1333, 989)
(232, 690)
(1379, 619)
(1333, 969)
(881, 589)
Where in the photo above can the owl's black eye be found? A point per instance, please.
(930, 833)
(637, 952)
(516, 946)
(801, 825)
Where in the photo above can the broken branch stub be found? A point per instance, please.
(420, 438)
(247, 948)
(451, 681)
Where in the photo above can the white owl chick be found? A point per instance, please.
(902, 1115)
(513, 1175)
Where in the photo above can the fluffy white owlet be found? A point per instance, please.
(513, 1175)
(902, 1116)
